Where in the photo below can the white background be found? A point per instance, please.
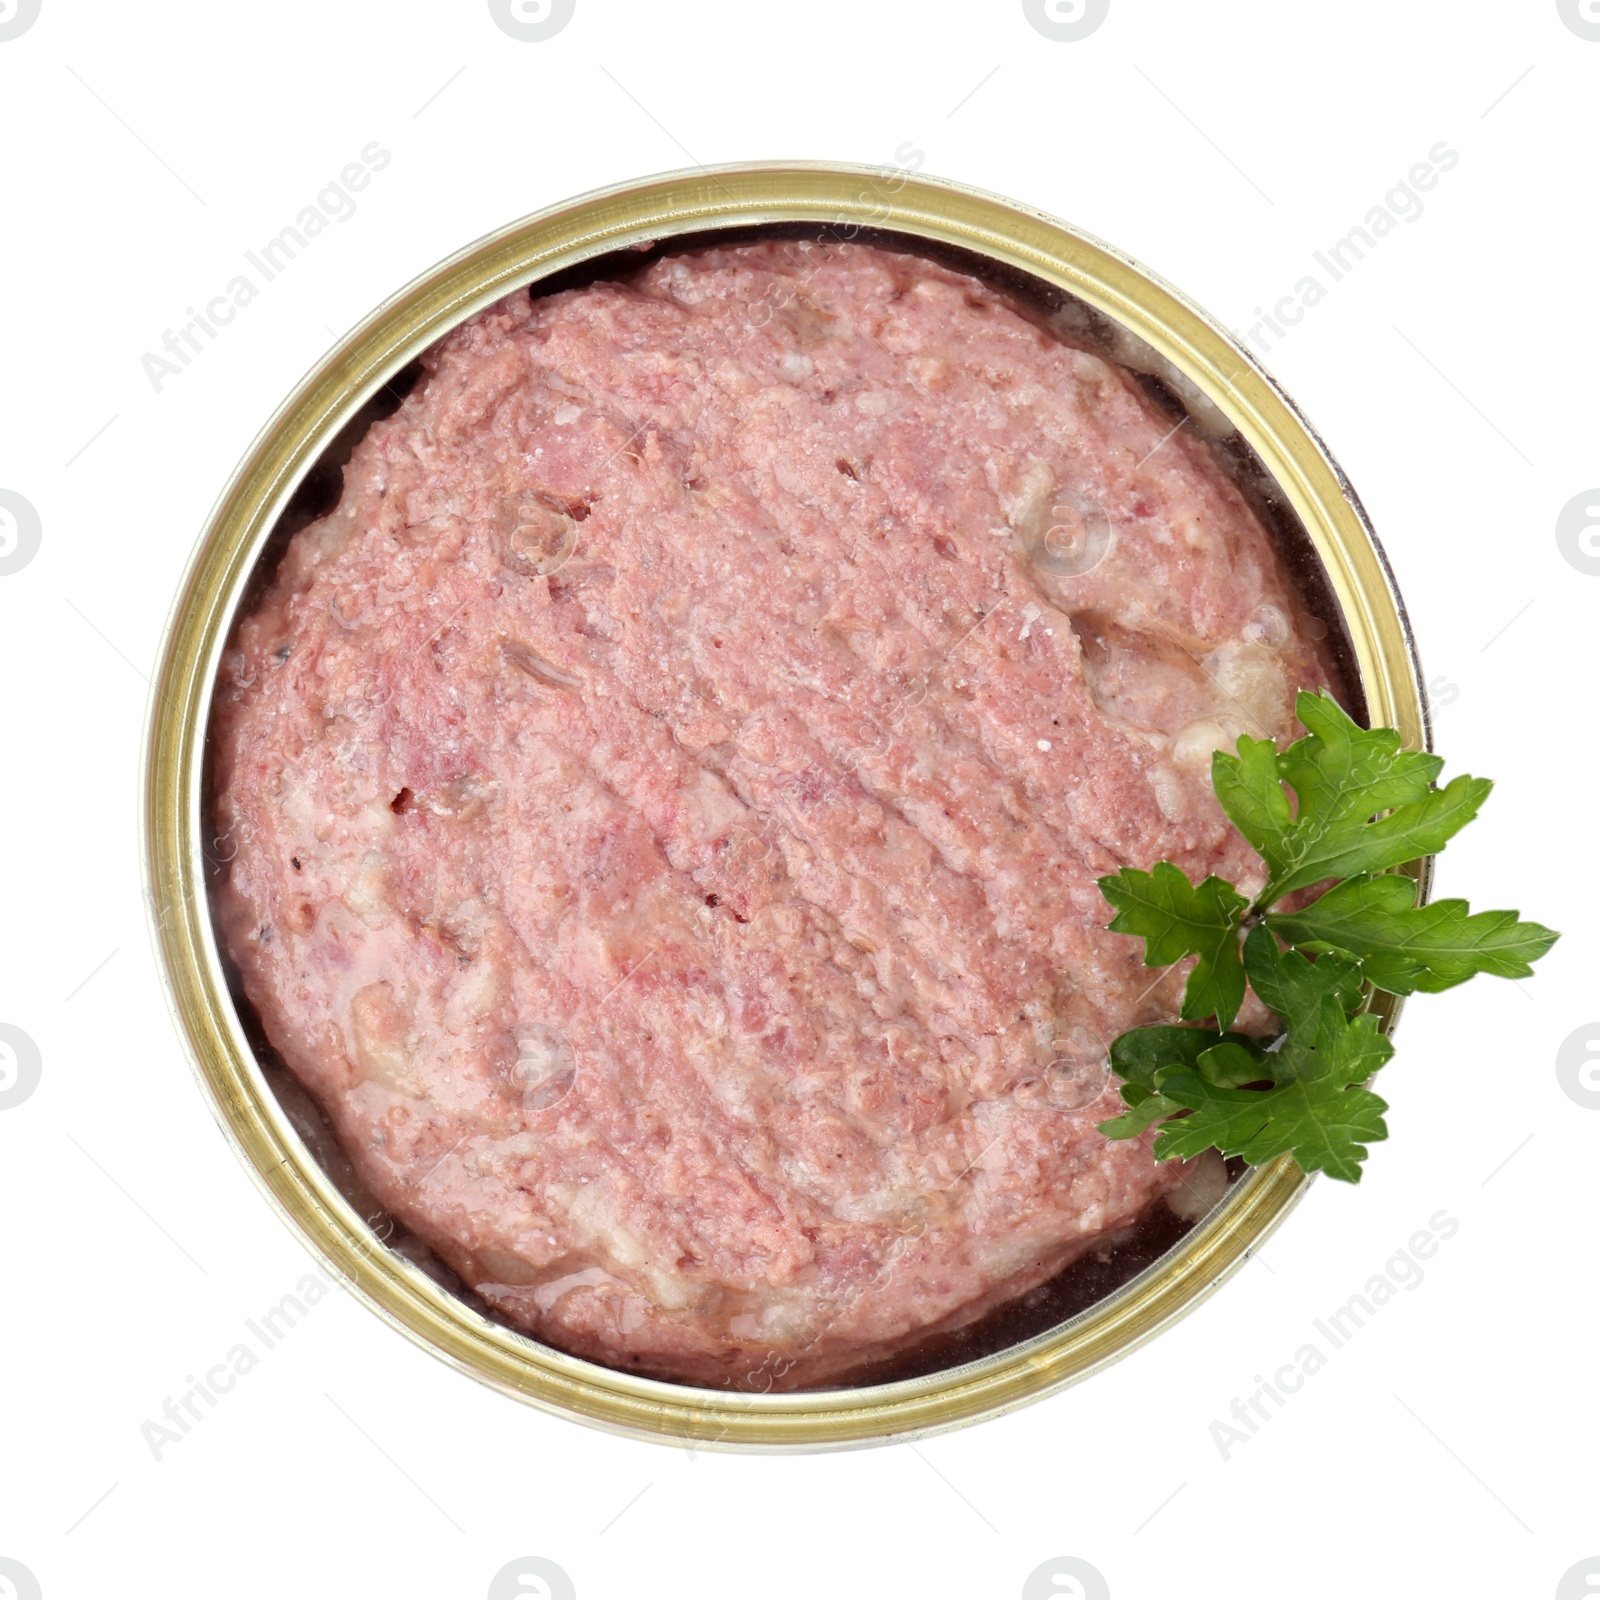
(1448, 1448)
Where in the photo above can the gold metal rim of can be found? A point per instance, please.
(658, 208)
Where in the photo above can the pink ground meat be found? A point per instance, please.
(669, 789)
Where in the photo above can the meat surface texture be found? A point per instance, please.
(667, 795)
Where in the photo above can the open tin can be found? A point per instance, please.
(1327, 541)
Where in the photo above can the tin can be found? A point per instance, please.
(1198, 359)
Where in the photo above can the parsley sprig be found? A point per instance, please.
(1343, 803)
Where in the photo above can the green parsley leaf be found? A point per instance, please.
(1314, 1107)
(1403, 947)
(1236, 1062)
(1342, 803)
(1322, 1116)
(1145, 1108)
(1295, 987)
(1176, 918)
(1138, 1055)
(1362, 803)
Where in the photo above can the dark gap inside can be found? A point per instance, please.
(1114, 1261)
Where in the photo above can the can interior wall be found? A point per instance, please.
(1113, 305)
